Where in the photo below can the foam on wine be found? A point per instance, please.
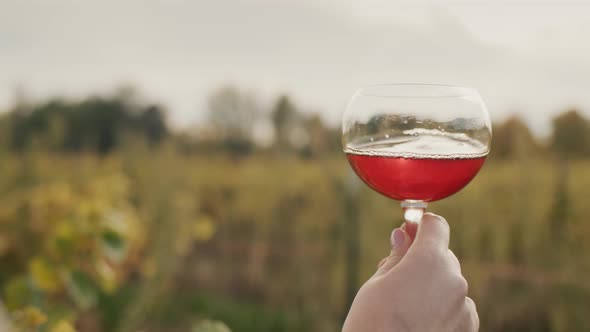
(421, 144)
(428, 167)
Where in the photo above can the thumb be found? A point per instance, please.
(433, 233)
(400, 243)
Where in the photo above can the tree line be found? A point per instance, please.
(98, 124)
(569, 139)
(102, 124)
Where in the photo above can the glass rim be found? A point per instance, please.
(415, 90)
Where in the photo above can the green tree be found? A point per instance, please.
(97, 124)
(571, 135)
(513, 138)
(321, 139)
(153, 123)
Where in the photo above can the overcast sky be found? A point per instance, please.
(529, 57)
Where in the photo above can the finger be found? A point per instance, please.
(403, 228)
(433, 233)
(473, 317)
(411, 228)
(466, 319)
(454, 260)
(382, 262)
(400, 242)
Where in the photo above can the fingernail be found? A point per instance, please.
(435, 216)
(397, 238)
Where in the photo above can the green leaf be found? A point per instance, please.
(17, 293)
(113, 245)
(82, 289)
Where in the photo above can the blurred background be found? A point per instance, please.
(176, 165)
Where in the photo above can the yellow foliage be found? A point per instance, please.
(62, 326)
(77, 212)
(44, 275)
(274, 220)
(210, 326)
(34, 316)
(203, 229)
(29, 318)
(64, 229)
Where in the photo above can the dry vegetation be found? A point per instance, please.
(160, 241)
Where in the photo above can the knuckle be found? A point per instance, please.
(459, 286)
(472, 312)
(452, 255)
(469, 320)
(471, 305)
(476, 322)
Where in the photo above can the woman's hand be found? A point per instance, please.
(417, 288)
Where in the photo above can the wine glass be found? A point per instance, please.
(416, 143)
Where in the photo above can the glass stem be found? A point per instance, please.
(413, 210)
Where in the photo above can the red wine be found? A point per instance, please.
(419, 174)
